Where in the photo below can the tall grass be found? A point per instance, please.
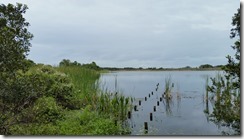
(84, 81)
(168, 87)
(88, 93)
(115, 104)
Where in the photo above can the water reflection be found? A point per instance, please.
(168, 104)
(180, 115)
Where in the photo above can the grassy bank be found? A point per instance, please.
(68, 102)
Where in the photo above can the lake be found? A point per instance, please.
(182, 115)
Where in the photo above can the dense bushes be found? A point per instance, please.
(40, 86)
(41, 99)
(44, 101)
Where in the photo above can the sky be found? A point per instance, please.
(131, 33)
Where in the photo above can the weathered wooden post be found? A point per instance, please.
(152, 92)
(129, 114)
(158, 103)
(145, 127)
(135, 108)
(145, 98)
(154, 108)
(161, 99)
(139, 102)
(151, 117)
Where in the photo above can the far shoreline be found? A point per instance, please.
(166, 69)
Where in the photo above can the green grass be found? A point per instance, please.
(109, 106)
(84, 81)
(168, 87)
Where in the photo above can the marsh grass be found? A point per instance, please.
(84, 81)
(168, 87)
(115, 104)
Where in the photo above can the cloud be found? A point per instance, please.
(120, 33)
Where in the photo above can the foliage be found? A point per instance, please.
(233, 66)
(84, 81)
(92, 65)
(114, 104)
(46, 110)
(227, 104)
(168, 87)
(21, 92)
(67, 62)
(205, 66)
(14, 37)
(75, 122)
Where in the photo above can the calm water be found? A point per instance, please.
(183, 115)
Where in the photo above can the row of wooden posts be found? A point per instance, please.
(151, 115)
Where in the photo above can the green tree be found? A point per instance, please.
(65, 62)
(14, 37)
(205, 66)
(233, 66)
(227, 107)
(14, 47)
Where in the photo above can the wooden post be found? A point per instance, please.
(129, 114)
(139, 102)
(149, 95)
(152, 92)
(154, 108)
(151, 117)
(158, 103)
(145, 98)
(146, 127)
(135, 108)
(160, 98)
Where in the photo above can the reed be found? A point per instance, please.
(168, 87)
(114, 104)
(85, 84)
(206, 88)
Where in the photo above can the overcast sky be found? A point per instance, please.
(131, 33)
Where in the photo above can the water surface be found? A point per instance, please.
(182, 115)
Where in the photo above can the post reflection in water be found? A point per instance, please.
(179, 115)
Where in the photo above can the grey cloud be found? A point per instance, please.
(150, 33)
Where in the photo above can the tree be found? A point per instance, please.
(233, 66)
(227, 107)
(65, 62)
(205, 66)
(14, 47)
(14, 37)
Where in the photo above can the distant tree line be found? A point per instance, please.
(201, 67)
(67, 62)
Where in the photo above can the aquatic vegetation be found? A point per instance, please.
(114, 104)
(168, 87)
(85, 85)
(227, 103)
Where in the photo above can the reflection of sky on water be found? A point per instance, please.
(180, 116)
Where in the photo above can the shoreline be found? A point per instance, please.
(212, 69)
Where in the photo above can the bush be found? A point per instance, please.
(46, 110)
(20, 92)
